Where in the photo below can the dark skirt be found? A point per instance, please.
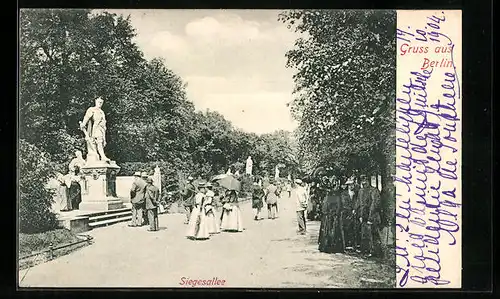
(257, 203)
(314, 210)
(331, 234)
(75, 195)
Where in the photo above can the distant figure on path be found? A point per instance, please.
(257, 200)
(209, 206)
(289, 188)
(137, 199)
(152, 199)
(271, 194)
(331, 234)
(301, 199)
(197, 226)
(231, 213)
(188, 198)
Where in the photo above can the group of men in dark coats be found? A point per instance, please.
(351, 219)
(145, 198)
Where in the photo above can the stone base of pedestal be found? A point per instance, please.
(102, 205)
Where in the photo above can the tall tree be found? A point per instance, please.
(345, 87)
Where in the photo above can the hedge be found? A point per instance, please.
(35, 201)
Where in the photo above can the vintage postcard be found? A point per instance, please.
(239, 149)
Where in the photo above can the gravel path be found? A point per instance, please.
(267, 254)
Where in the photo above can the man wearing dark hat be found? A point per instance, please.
(368, 211)
(137, 199)
(152, 198)
(188, 198)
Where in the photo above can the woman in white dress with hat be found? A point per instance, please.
(231, 213)
(212, 223)
(197, 226)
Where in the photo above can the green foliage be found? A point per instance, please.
(70, 57)
(345, 87)
(35, 201)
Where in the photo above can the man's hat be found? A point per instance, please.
(208, 185)
(149, 180)
(298, 181)
(137, 173)
(363, 177)
(349, 181)
(144, 175)
(190, 178)
(201, 184)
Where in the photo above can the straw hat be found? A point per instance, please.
(137, 173)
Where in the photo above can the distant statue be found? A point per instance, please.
(95, 132)
(229, 171)
(249, 165)
(157, 179)
(237, 173)
(277, 172)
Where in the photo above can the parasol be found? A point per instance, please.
(219, 177)
(229, 182)
(318, 172)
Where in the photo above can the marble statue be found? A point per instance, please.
(157, 178)
(229, 171)
(94, 128)
(277, 172)
(76, 162)
(249, 165)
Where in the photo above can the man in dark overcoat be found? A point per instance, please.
(349, 214)
(188, 198)
(368, 211)
(137, 199)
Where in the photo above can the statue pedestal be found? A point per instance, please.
(99, 187)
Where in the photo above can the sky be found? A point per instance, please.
(232, 60)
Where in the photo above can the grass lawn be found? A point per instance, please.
(29, 243)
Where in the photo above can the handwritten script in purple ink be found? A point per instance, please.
(427, 208)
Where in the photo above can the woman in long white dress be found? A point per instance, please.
(231, 213)
(212, 222)
(197, 227)
(59, 187)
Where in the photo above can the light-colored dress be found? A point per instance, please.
(212, 221)
(231, 217)
(197, 227)
(62, 200)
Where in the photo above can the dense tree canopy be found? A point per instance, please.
(70, 57)
(345, 88)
